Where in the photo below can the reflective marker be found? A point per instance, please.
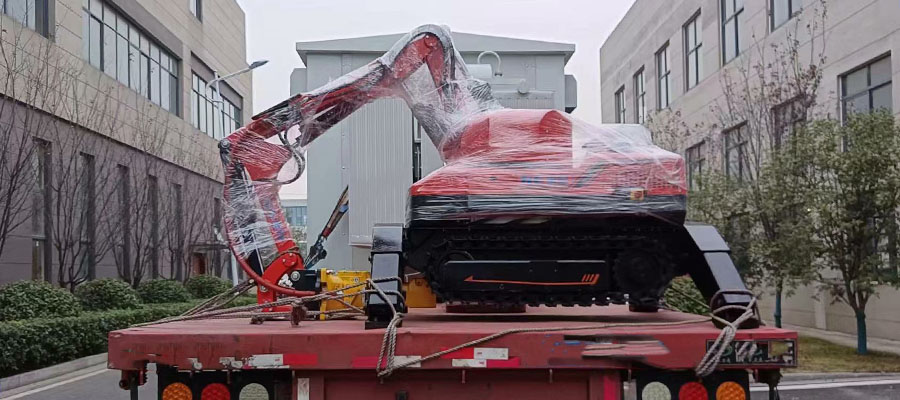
(215, 391)
(254, 391)
(656, 391)
(730, 391)
(693, 391)
(177, 391)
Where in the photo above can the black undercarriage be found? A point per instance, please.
(572, 260)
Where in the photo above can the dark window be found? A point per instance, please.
(696, 160)
(787, 118)
(153, 194)
(662, 74)
(30, 13)
(87, 211)
(736, 161)
(296, 215)
(416, 151)
(115, 45)
(867, 88)
(640, 106)
(731, 43)
(620, 105)
(122, 240)
(693, 42)
(197, 8)
(210, 113)
(41, 204)
(884, 245)
(782, 11)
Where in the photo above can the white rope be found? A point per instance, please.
(713, 356)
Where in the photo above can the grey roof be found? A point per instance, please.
(465, 43)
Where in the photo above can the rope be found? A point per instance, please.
(713, 356)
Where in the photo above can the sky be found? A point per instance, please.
(275, 26)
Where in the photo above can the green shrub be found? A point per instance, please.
(206, 286)
(36, 343)
(683, 295)
(107, 294)
(36, 299)
(163, 291)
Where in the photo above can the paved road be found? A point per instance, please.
(98, 383)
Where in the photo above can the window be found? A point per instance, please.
(41, 212)
(662, 73)
(296, 215)
(731, 44)
(640, 107)
(736, 152)
(122, 241)
(153, 194)
(115, 46)
(696, 160)
(30, 13)
(86, 188)
(867, 88)
(620, 105)
(177, 251)
(884, 245)
(197, 8)
(782, 10)
(787, 118)
(211, 113)
(692, 54)
(416, 151)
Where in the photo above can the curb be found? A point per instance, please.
(835, 376)
(27, 378)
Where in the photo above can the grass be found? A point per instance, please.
(817, 355)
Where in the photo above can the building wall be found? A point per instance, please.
(119, 126)
(856, 32)
(371, 151)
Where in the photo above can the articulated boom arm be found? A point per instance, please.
(257, 230)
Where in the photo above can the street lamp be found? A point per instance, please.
(216, 79)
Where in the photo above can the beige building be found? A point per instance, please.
(108, 124)
(673, 55)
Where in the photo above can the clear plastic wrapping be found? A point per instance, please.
(499, 163)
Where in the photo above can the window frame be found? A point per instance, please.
(217, 121)
(196, 8)
(640, 92)
(695, 155)
(36, 18)
(741, 147)
(869, 89)
(785, 128)
(733, 17)
(695, 51)
(663, 55)
(619, 100)
(773, 25)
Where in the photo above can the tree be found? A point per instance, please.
(768, 93)
(853, 174)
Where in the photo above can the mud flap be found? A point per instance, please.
(387, 252)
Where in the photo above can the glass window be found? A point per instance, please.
(662, 72)
(25, 11)
(640, 108)
(731, 11)
(782, 11)
(692, 54)
(788, 116)
(211, 113)
(736, 161)
(197, 8)
(867, 88)
(122, 51)
(696, 160)
(620, 105)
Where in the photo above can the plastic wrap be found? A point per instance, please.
(499, 163)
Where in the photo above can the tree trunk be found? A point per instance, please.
(861, 343)
(777, 315)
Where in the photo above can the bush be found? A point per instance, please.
(36, 299)
(163, 291)
(107, 294)
(206, 286)
(683, 295)
(36, 343)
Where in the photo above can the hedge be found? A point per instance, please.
(163, 291)
(107, 294)
(206, 286)
(36, 299)
(36, 343)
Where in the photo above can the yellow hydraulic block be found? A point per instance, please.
(334, 280)
(419, 294)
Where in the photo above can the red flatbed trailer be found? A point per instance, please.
(598, 349)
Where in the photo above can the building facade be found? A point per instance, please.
(110, 151)
(380, 150)
(673, 57)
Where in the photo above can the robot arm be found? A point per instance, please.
(257, 230)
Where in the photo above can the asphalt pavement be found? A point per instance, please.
(100, 383)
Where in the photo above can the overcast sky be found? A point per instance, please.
(274, 27)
